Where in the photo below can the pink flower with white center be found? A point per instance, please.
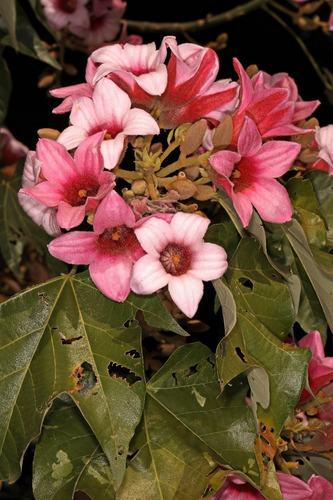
(302, 109)
(324, 139)
(72, 187)
(110, 250)
(270, 108)
(39, 213)
(61, 13)
(104, 22)
(248, 176)
(72, 92)
(108, 111)
(320, 371)
(178, 258)
(292, 488)
(138, 69)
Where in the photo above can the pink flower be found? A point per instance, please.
(61, 13)
(109, 250)
(320, 371)
(72, 187)
(271, 109)
(10, 148)
(42, 215)
(324, 139)
(302, 109)
(177, 257)
(108, 111)
(104, 22)
(248, 175)
(292, 488)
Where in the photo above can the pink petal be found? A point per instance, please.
(246, 86)
(111, 150)
(140, 122)
(293, 488)
(249, 140)
(72, 136)
(154, 235)
(209, 262)
(83, 114)
(43, 216)
(45, 193)
(113, 211)
(188, 229)
(111, 274)
(186, 291)
(106, 94)
(322, 489)
(68, 216)
(224, 162)
(58, 165)
(148, 275)
(314, 341)
(88, 158)
(243, 207)
(270, 199)
(78, 247)
(275, 158)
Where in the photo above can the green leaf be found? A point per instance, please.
(5, 90)
(8, 13)
(258, 290)
(323, 187)
(188, 425)
(68, 457)
(28, 40)
(321, 279)
(307, 211)
(225, 235)
(17, 229)
(228, 305)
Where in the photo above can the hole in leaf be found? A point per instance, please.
(121, 450)
(175, 377)
(122, 372)
(192, 371)
(133, 353)
(240, 354)
(246, 282)
(65, 341)
(85, 378)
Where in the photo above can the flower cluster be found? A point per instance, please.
(235, 136)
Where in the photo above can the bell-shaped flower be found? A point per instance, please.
(72, 186)
(320, 370)
(42, 215)
(272, 109)
(107, 111)
(248, 175)
(324, 140)
(64, 13)
(10, 148)
(109, 251)
(178, 258)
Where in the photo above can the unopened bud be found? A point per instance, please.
(204, 192)
(48, 133)
(186, 189)
(139, 187)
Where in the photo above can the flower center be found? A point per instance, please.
(77, 193)
(67, 6)
(176, 259)
(118, 239)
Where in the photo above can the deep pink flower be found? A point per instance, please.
(109, 250)
(302, 109)
(324, 140)
(10, 148)
(320, 371)
(292, 488)
(42, 215)
(104, 22)
(73, 187)
(108, 111)
(248, 175)
(177, 257)
(271, 109)
(61, 13)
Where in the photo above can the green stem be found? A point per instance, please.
(197, 25)
(127, 174)
(181, 163)
(300, 43)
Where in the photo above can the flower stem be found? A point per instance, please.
(127, 174)
(181, 163)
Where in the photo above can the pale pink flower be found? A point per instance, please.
(61, 13)
(10, 148)
(320, 370)
(72, 186)
(324, 139)
(248, 175)
(108, 111)
(178, 258)
(104, 22)
(42, 215)
(292, 488)
(302, 109)
(110, 250)
(270, 108)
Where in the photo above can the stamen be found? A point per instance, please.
(82, 193)
(176, 259)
